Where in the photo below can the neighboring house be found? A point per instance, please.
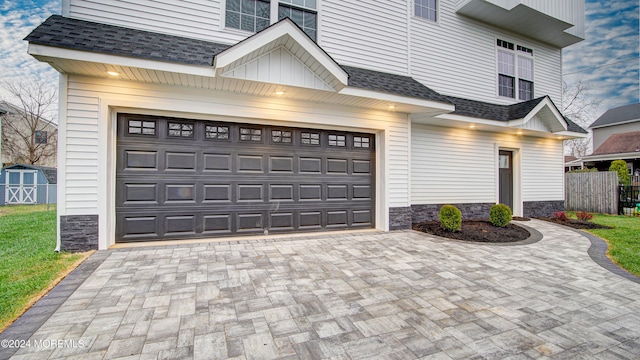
(27, 184)
(25, 138)
(616, 136)
(202, 119)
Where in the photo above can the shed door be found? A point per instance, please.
(21, 187)
(181, 178)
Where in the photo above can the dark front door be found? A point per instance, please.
(181, 178)
(506, 177)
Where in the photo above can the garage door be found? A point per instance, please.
(181, 178)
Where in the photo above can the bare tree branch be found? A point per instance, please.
(581, 109)
(29, 131)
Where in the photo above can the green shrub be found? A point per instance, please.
(500, 215)
(450, 218)
(620, 166)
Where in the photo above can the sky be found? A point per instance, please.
(607, 61)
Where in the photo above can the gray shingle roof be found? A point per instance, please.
(618, 115)
(483, 110)
(68, 33)
(390, 83)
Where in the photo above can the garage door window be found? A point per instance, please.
(310, 138)
(177, 129)
(337, 140)
(250, 134)
(281, 136)
(216, 132)
(139, 127)
(361, 142)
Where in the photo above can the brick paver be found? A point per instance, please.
(398, 295)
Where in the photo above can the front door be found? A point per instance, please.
(506, 178)
(21, 187)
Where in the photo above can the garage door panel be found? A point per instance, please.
(217, 162)
(180, 161)
(198, 185)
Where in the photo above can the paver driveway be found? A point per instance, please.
(398, 295)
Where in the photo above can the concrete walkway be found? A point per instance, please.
(398, 295)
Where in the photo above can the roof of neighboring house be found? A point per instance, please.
(8, 108)
(568, 158)
(621, 143)
(63, 32)
(51, 174)
(618, 115)
(484, 110)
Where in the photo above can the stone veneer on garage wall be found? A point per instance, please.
(403, 217)
(542, 208)
(78, 233)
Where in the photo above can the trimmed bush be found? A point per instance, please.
(620, 166)
(450, 218)
(500, 215)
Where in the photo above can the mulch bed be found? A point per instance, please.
(576, 224)
(476, 231)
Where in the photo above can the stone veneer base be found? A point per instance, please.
(78, 233)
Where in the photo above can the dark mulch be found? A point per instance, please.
(576, 224)
(477, 231)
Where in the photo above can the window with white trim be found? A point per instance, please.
(515, 70)
(255, 15)
(302, 12)
(426, 9)
(249, 15)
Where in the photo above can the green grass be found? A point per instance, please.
(29, 265)
(623, 239)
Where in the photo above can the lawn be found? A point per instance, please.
(29, 265)
(623, 239)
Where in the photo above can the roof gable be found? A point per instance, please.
(282, 53)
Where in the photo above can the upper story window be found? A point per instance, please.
(249, 15)
(426, 9)
(302, 12)
(40, 137)
(515, 63)
(254, 15)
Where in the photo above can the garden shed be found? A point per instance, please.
(28, 184)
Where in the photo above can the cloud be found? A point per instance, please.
(17, 19)
(608, 60)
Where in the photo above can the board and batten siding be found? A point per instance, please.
(450, 165)
(473, 74)
(89, 101)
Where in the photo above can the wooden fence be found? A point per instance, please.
(593, 192)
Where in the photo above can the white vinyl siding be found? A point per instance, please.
(471, 47)
(460, 166)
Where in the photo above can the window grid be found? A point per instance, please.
(40, 137)
(302, 13)
(426, 9)
(248, 15)
(250, 134)
(281, 136)
(337, 140)
(310, 138)
(362, 142)
(216, 132)
(177, 129)
(141, 127)
(513, 65)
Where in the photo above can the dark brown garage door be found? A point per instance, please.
(179, 178)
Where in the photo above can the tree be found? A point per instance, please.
(29, 133)
(620, 166)
(580, 108)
